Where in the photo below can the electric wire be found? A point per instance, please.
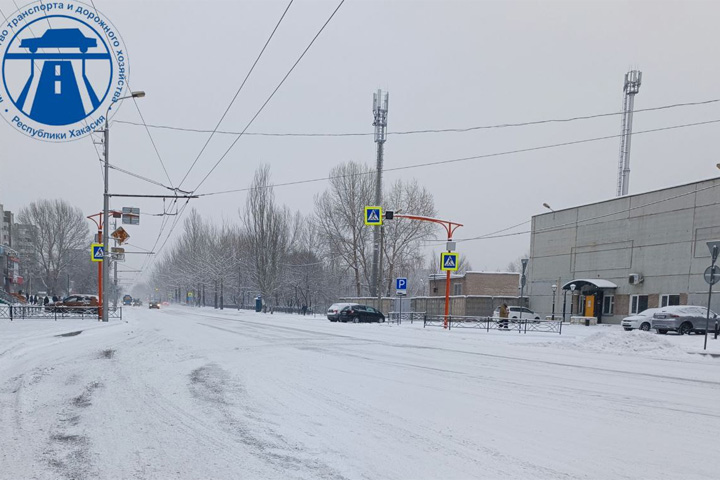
(577, 222)
(247, 76)
(249, 124)
(464, 159)
(137, 107)
(271, 95)
(441, 130)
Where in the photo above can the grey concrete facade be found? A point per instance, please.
(659, 235)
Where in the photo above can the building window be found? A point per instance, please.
(457, 289)
(638, 303)
(608, 305)
(666, 300)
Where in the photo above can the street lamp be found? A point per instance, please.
(572, 298)
(548, 207)
(554, 289)
(523, 280)
(106, 202)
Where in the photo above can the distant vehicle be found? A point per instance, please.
(155, 305)
(137, 302)
(641, 321)
(60, 38)
(333, 313)
(360, 313)
(682, 319)
(77, 303)
(165, 304)
(514, 312)
(127, 300)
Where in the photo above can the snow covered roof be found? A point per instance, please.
(598, 282)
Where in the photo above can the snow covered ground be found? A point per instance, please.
(187, 393)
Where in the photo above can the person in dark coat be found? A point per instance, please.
(46, 300)
(304, 309)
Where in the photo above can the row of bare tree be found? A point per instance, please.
(53, 240)
(293, 260)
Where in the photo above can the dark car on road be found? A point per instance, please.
(360, 313)
(333, 312)
(155, 305)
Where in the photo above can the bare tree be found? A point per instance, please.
(403, 237)
(60, 229)
(340, 219)
(268, 227)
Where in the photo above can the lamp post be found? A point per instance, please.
(106, 202)
(548, 207)
(572, 298)
(523, 280)
(554, 289)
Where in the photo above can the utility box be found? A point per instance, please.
(258, 304)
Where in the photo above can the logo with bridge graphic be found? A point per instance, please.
(63, 66)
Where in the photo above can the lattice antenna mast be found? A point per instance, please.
(633, 78)
(380, 111)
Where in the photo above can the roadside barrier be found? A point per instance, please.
(522, 325)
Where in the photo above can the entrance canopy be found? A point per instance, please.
(595, 282)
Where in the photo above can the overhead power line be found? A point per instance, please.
(137, 107)
(464, 159)
(272, 94)
(577, 222)
(413, 132)
(214, 130)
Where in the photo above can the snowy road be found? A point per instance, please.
(186, 393)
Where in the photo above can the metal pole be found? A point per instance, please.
(380, 269)
(115, 263)
(106, 208)
(553, 308)
(714, 254)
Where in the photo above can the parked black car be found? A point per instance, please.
(360, 313)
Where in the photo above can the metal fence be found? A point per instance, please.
(16, 312)
(398, 317)
(495, 323)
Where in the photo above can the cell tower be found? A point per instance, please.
(633, 78)
(380, 111)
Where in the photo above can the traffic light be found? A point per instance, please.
(389, 214)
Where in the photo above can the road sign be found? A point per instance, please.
(131, 216)
(97, 252)
(373, 216)
(401, 285)
(449, 261)
(120, 235)
(715, 278)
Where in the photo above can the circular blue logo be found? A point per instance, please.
(63, 66)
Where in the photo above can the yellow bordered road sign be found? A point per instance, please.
(373, 216)
(449, 261)
(97, 253)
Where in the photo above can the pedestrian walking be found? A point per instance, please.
(504, 316)
(304, 309)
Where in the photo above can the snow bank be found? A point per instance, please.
(624, 343)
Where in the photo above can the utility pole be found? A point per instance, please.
(380, 111)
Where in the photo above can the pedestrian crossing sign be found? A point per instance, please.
(449, 261)
(373, 216)
(97, 252)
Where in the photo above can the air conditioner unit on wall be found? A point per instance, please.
(635, 278)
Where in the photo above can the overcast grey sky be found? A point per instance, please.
(446, 65)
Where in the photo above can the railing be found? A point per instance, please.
(16, 312)
(398, 317)
(523, 325)
(7, 298)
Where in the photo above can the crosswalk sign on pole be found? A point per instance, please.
(97, 252)
(373, 216)
(449, 261)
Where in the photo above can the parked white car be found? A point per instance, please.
(514, 312)
(641, 321)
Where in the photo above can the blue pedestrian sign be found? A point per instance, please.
(401, 285)
(373, 215)
(97, 252)
(449, 261)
